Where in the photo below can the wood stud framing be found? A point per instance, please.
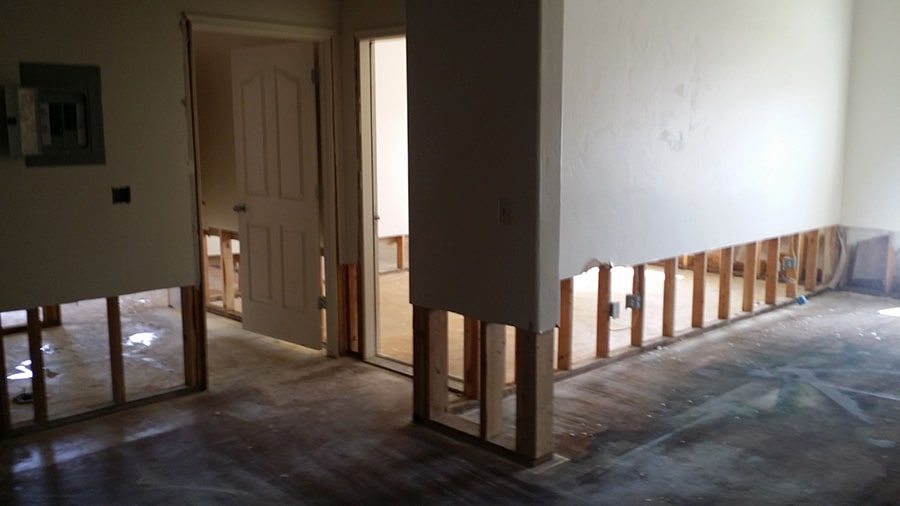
(5, 418)
(890, 260)
(228, 282)
(726, 268)
(793, 275)
(829, 254)
(566, 321)
(668, 323)
(699, 290)
(493, 379)
(604, 295)
(401, 249)
(38, 385)
(471, 358)
(429, 363)
(772, 267)
(534, 395)
(751, 257)
(812, 260)
(116, 365)
(638, 288)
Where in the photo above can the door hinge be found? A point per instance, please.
(323, 302)
(314, 75)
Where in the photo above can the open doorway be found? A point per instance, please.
(385, 199)
(262, 103)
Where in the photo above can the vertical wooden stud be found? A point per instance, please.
(793, 274)
(566, 321)
(699, 289)
(401, 248)
(116, 365)
(38, 385)
(493, 379)
(604, 294)
(204, 264)
(668, 323)
(353, 306)
(829, 254)
(751, 255)
(472, 358)
(193, 326)
(534, 394)
(772, 264)
(726, 268)
(638, 288)
(5, 417)
(227, 271)
(51, 316)
(812, 260)
(429, 363)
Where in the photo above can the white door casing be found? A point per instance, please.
(277, 164)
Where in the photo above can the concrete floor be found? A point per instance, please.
(797, 406)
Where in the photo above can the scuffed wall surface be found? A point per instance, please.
(872, 174)
(694, 125)
(63, 239)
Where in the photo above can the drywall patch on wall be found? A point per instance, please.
(693, 125)
(151, 242)
(872, 173)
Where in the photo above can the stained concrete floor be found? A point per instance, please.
(797, 406)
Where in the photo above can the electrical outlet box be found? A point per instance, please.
(789, 263)
(614, 310)
(633, 301)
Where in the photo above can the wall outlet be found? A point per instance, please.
(789, 263)
(613, 309)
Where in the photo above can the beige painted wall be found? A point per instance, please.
(63, 239)
(693, 125)
(484, 191)
(872, 173)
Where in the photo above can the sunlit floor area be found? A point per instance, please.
(796, 406)
(76, 355)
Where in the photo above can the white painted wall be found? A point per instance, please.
(483, 197)
(872, 175)
(697, 124)
(391, 160)
(63, 239)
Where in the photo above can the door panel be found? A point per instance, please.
(276, 158)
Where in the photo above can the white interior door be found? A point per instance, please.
(276, 158)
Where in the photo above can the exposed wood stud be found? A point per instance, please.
(343, 310)
(471, 358)
(493, 379)
(638, 285)
(772, 264)
(429, 363)
(534, 394)
(51, 316)
(116, 365)
(668, 323)
(38, 385)
(353, 303)
(566, 321)
(604, 294)
(812, 260)
(699, 289)
(204, 261)
(193, 323)
(726, 268)
(829, 254)
(792, 275)
(751, 256)
(5, 418)
(401, 256)
(228, 282)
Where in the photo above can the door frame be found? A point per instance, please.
(324, 41)
(368, 241)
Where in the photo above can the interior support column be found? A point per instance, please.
(429, 363)
(534, 395)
